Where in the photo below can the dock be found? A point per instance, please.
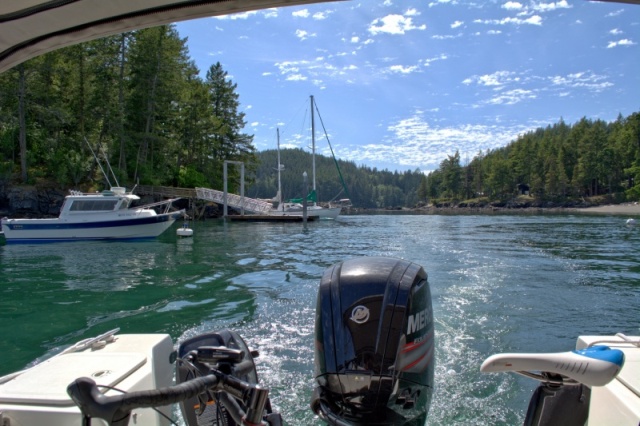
(200, 197)
(268, 218)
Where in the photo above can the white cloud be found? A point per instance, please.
(532, 20)
(416, 143)
(439, 2)
(394, 24)
(304, 13)
(586, 80)
(512, 97)
(512, 5)
(456, 24)
(236, 16)
(615, 13)
(623, 42)
(319, 70)
(429, 61)
(498, 78)
(615, 31)
(289, 67)
(270, 13)
(303, 34)
(401, 69)
(320, 16)
(296, 77)
(546, 7)
(446, 37)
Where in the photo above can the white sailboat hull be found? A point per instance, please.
(312, 211)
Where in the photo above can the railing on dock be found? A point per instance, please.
(233, 200)
(206, 194)
(166, 191)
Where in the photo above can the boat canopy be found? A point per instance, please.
(31, 28)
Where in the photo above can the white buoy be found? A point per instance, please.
(631, 222)
(184, 231)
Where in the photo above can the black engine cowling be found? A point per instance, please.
(374, 354)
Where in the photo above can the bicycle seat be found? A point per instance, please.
(594, 366)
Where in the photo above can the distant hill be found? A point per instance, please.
(366, 187)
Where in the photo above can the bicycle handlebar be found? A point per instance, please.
(116, 409)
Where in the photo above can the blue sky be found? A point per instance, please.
(402, 84)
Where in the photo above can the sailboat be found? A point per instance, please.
(295, 207)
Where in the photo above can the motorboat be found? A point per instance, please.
(106, 215)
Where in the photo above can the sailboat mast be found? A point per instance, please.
(279, 195)
(313, 147)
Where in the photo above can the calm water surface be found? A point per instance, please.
(499, 283)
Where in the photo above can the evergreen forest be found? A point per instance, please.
(591, 158)
(136, 99)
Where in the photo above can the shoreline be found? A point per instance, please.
(631, 209)
(615, 209)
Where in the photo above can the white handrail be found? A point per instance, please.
(233, 200)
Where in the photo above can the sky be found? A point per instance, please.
(400, 85)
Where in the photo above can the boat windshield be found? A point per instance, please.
(125, 204)
(93, 205)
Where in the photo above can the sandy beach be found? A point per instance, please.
(617, 209)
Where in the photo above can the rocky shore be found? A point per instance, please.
(629, 209)
(30, 201)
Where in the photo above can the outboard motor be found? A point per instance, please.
(374, 343)
(199, 410)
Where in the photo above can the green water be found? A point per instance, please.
(499, 283)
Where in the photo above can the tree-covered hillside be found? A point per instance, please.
(366, 187)
(560, 162)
